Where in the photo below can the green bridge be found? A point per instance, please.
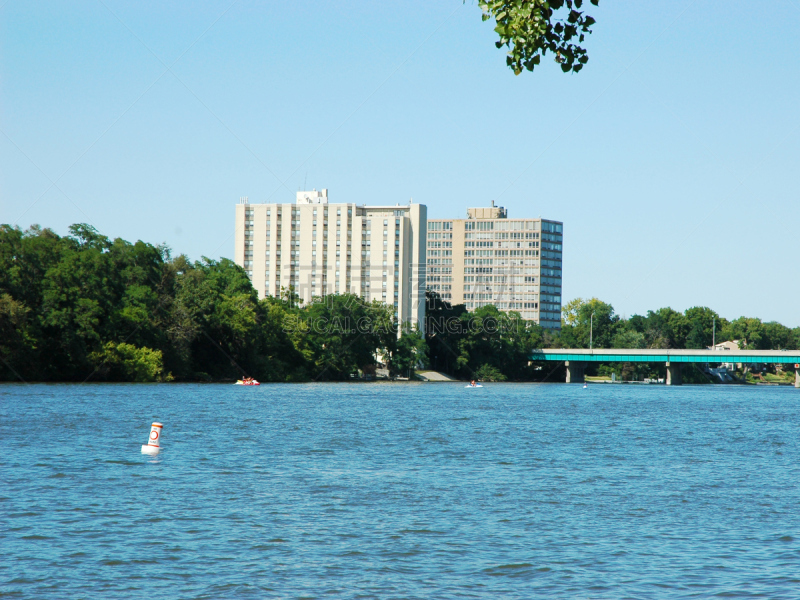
(576, 359)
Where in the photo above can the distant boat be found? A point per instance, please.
(477, 385)
(585, 385)
(247, 382)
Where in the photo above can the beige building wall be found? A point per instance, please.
(457, 278)
(317, 248)
(513, 264)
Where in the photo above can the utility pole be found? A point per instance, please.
(714, 335)
(591, 329)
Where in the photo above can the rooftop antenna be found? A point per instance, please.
(305, 181)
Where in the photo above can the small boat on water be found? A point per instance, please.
(247, 381)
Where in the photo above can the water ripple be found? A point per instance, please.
(400, 491)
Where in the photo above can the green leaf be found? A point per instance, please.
(528, 28)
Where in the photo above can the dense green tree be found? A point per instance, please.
(406, 353)
(748, 332)
(779, 336)
(126, 362)
(701, 323)
(663, 328)
(461, 343)
(218, 303)
(17, 340)
(586, 321)
(77, 292)
(341, 334)
(444, 330)
(487, 372)
(627, 337)
(79, 307)
(754, 334)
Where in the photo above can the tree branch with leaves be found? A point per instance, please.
(531, 28)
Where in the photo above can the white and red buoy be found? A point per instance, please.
(152, 446)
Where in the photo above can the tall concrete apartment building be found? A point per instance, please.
(487, 258)
(319, 248)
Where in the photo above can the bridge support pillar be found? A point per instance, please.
(575, 371)
(674, 374)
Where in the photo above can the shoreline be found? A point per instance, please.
(385, 381)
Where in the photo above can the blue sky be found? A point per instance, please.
(671, 159)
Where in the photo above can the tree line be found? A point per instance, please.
(502, 352)
(83, 307)
(86, 308)
(695, 328)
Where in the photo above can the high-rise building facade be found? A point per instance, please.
(318, 248)
(487, 258)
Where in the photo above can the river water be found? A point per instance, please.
(400, 491)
